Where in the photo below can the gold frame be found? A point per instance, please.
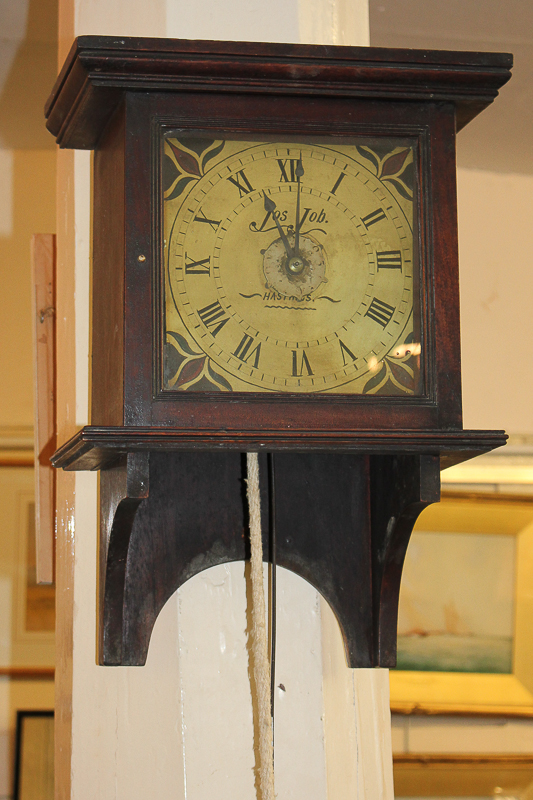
(449, 775)
(476, 693)
(24, 652)
(34, 755)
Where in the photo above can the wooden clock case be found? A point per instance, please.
(362, 466)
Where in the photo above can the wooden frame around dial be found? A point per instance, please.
(139, 296)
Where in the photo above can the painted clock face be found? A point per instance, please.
(290, 267)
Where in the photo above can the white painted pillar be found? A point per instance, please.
(182, 726)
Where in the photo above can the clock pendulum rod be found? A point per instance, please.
(262, 665)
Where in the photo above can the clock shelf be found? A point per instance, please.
(94, 447)
(343, 519)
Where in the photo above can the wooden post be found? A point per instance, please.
(43, 256)
(122, 731)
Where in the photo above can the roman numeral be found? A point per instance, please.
(213, 315)
(391, 259)
(213, 222)
(244, 352)
(375, 216)
(338, 182)
(245, 187)
(345, 351)
(197, 267)
(298, 364)
(380, 312)
(282, 163)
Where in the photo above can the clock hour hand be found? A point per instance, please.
(270, 207)
(299, 174)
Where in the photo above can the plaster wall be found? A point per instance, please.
(27, 205)
(495, 212)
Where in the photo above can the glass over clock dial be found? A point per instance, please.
(290, 266)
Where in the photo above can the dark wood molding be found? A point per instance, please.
(464, 759)
(99, 447)
(28, 673)
(100, 68)
(443, 710)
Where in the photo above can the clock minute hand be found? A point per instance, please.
(299, 174)
(270, 207)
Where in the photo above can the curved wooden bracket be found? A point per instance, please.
(342, 523)
(400, 488)
(152, 542)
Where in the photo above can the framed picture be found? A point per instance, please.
(463, 776)
(34, 756)
(465, 622)
(27, 619)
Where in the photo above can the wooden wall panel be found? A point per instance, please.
(43, 257)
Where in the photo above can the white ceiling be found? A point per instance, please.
(500, 139)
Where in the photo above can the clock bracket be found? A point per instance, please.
(342, 523)
(342, 519)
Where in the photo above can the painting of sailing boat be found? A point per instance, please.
(457, 603)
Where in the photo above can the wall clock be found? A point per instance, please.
(274, 268)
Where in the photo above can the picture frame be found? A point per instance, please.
(26, 635)
(419, 775)
(34, 756)
(428, 692)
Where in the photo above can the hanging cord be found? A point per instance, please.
(262, 671)
(272, 480)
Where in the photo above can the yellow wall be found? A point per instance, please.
(28, 205)
(28, 55)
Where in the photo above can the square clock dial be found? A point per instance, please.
(291, 266)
